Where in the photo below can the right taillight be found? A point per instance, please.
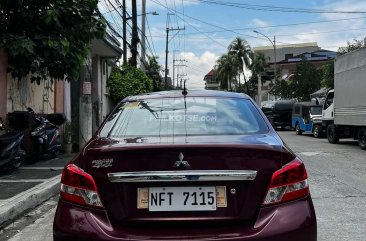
(288, 183)
(79, 187)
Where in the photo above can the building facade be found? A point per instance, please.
(211, 83)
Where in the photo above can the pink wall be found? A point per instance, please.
(3, 82)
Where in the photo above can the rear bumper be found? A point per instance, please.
(287, 222)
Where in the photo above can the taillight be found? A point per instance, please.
(79, 187)
(288, 183)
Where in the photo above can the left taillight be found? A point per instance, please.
(288, 183)
(79, 187)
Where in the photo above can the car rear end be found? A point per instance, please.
(211, 183)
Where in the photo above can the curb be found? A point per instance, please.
(19, 204)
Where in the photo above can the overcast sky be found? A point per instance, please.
(210, 27)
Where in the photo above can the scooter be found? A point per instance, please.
(45, 138)
(11, 153)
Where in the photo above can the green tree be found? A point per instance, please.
(153, 72)
(306, 80)
(226, 71)
(328, 75)
(128, 80)
(48, 37)
(283, 89)
(351, 46)
(243, 54)
(257, 68)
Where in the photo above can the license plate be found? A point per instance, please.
(181, 198)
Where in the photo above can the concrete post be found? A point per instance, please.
(85, 114)
(3, 83)
(259, 100)
(96, 91)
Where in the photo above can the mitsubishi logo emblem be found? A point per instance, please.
(181, 163)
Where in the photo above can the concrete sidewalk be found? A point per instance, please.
(31, 185)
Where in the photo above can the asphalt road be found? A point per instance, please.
(337, 176)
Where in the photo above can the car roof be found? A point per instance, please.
(191, 93)
(312, 104)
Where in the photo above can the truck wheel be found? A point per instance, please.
(332, 134)
(297, 129)
(317, 132)
(362, 138)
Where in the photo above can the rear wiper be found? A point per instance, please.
(147, 107)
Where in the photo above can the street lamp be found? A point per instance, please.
(274, 51)
(144, 14)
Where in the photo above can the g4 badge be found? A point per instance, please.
(102, 163)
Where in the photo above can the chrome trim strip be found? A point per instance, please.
(183, 176)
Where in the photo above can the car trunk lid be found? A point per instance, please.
(240, 173)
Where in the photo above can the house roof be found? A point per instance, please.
(319, 55)
(211, 73)
(297, 45)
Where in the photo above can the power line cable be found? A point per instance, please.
(277, 8)
(169, 9)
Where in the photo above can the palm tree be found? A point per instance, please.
(243, 53)
(226, 71)
(257, 67)
(258, 64)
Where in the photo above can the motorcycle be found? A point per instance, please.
(45, 138)
(11, 152)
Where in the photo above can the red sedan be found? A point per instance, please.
(202, 165)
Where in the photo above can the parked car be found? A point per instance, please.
(307, 118)
(279, 112)
(202, 165)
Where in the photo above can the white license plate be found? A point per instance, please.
(182, 199)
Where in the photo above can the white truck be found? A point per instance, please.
(344, 109)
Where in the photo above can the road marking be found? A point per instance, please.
(23, 180)
(310, 153)
(41, 168)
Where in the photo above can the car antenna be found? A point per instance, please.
(184, 92)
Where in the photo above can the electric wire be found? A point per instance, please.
(276, 8)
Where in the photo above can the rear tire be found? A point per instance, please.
(332, 134)
(16, 163)
(298, 129)
(317, 131)
(362, 138)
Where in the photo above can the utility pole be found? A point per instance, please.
(275, 59)
(177, 65)
(259, 100)
(124, 32)
(143, 29)
(181, 79)
(167, 51)
(135, 38)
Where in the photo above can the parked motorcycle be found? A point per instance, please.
(45, 137)
(11, 152)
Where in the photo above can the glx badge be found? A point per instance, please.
(102, 163)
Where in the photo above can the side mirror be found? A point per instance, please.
(2, 127)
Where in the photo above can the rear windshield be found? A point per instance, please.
(189, 116)
(316, 110)
(284, 106)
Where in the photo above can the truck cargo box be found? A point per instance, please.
(350, 89)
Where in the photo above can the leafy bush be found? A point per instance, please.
(48, 38)
(128, 80)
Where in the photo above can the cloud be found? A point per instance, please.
(197, 67)
(258, 23)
